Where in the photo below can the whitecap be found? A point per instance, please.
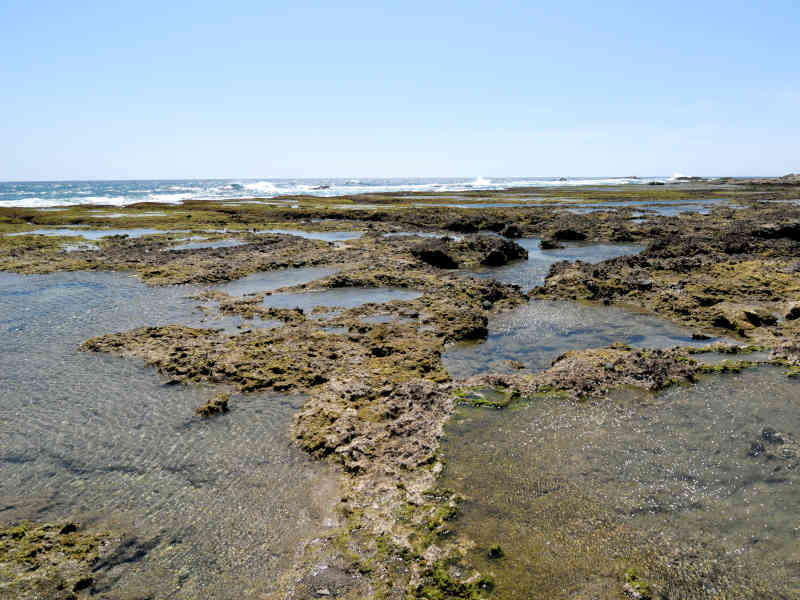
(261, 186)
(32, 203)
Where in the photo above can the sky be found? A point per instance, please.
(259, 88)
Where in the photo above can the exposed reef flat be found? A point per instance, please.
(379, 396)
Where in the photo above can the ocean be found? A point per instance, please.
(42, 194)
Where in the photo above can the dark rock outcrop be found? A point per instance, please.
(434, 253)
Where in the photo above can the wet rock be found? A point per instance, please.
(550, 244)
(434, 253)
(329, 582)
(771, 436)
(739, 317)
(569, 235)
(496, 552)
(756, 449)
(787, 351)
(622, 235)
(397, 436)
(216, 406)
(792, 311)
(592, 373)
(463, 225)
(498, 251)
(779, 230)
(47, 560)
(511, 231)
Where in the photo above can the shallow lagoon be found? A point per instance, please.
(540, 331)
(325, 236)
(531, 273)
(340, 297)
(216, 507)
(272, 280)
(667, 485)
(208, 244)
(92, 234)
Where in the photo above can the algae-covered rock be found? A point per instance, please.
(215, 406)
(550, 244)
(568, 235)
(51, 560)
(741, 317)
(434, 253)
(792, 311)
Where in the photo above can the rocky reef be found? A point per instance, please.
(49, 560)
(378, 396)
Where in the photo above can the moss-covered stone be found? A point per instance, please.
(50, 560)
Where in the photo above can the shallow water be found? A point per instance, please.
(375, 319)
(201, 245)
(325, 236)
(221, 503)
(667, 208)
(540, 331)
(92, 234)
(424, 234)
(578, 493)
(272, 280)
(335, 330)
(531, 273)
(341, 297)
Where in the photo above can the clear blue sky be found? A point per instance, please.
(366, 88)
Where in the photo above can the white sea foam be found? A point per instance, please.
(261, 186)
(32, 203)
(41, 195)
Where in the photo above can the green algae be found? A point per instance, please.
(47, 560)
(636, 587)
(439, 584)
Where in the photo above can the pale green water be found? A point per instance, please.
(272, 280)
(578, 493)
